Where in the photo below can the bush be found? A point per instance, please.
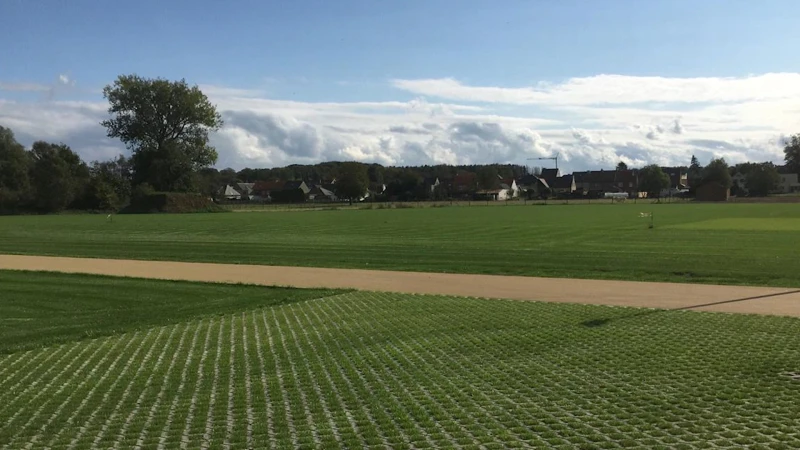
(170, 202)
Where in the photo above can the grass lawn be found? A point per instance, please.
(39, 309)
(399, 371)
(729, 243)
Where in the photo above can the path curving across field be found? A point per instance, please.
(733, 299)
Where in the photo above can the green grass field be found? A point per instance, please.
(371, 370)
(733, 243)
(39, 310)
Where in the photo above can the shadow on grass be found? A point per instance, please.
(594, 323)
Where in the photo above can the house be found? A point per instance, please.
(789, 180)
(602, 181)
(534, 186)
(678, 177)
(563, 185)
(263, 190)
(431, 184)
(229, 193)
(494, 194)
(246, 189)
(712, 192)
(550, 176)
(511, 187)
(321, 194)
(297, 184)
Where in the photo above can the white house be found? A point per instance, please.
(229, 193)
(789, 183)
(510, 187)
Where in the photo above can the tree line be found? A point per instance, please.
(165, 127)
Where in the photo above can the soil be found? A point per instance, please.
(731, 299)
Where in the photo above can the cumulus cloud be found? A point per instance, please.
(590, 122)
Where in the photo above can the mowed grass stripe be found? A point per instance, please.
(585, 241)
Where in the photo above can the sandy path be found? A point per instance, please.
(735, 299)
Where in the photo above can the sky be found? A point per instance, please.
(422, 81)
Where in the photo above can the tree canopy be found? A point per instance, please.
(652, 180)
(695, 173)
(15, 186)
(622, 166)
(165, 124)
(717, 171)
(353, 181)
(762, 179)
(791, 153)
(59, 176)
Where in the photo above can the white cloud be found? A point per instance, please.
(616, 90)
(591, 122)
(23, 87)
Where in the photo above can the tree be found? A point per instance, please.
(165, 124)
(622, 166)
(487, 177)
(15, 186)
(653, 180)
(110, 184)
(352, 182)
(717, 171)
(58, 176)
(792, 153)
(695, 173)
(762, 179)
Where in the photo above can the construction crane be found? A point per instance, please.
(553, 158)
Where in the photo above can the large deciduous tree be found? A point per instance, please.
(58, 175)
(165, 124)
(762, 179)
(653, 180)
(622, 166)
(791, 153)
(717, 171)
(15, 186)
(352, 182)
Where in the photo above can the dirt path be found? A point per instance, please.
(735, 299)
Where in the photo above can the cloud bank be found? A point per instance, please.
(591, 122)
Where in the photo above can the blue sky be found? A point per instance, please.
(437, 58)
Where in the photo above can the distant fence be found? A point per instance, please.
(311, 206)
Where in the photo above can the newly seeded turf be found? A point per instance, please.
(39, 309)
(401, 371)
(732, 243)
